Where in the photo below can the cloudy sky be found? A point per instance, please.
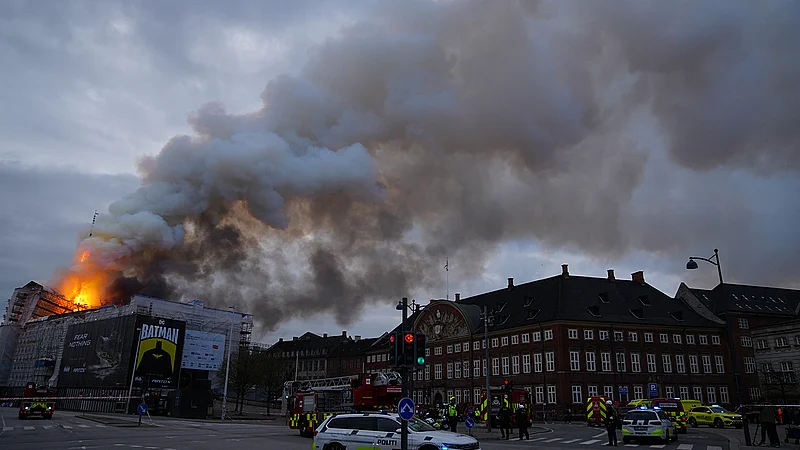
(313, 161)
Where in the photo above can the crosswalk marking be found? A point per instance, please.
(571, 441)
(658, 446)
(553, 440)
(28, 428)
(590, 442)
(66, 426)
(600, 434)
(685, 447)
(8, 428)
(47, 427)
(83, 426)
(713, 447)
(631, 445)
(538, 439)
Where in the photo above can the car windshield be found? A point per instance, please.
(641, 415)
(417, 425)
(719, 409)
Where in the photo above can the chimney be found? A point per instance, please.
(344, 333)
(324, 335)
(280, 340)
(358, 338)
(510, 284)
(638, 277)
(611, 274)
(458, 296)
(565, 270)
(294, 338)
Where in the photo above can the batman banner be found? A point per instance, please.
(160, 348)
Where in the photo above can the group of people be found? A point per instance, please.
(520, 419)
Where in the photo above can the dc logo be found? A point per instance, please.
(161, 322)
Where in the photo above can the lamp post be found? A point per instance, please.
(227, 371)
(692, 265)
(403, 306)
(485, 317)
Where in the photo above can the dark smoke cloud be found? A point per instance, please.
(442, 129)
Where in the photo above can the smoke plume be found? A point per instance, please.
(444, 128)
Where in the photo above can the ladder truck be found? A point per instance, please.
(306, 403)
(37, 401)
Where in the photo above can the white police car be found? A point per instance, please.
(648, 423)
(381, 431)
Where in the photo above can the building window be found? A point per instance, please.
(505, 365)
(608, 392)
(712, 394)
(476, 368)
(651, 363)
(495, 342)
(603, 335)
(666, 361)
(638, 391)
(636, 365)
(633, 336)
(669, 391)
(620, 362)
(465, 366)
(680, 364)
(749, 364)
(484, 367)
(618, 336)
(720, 364)
(747, 341)
(715, 340)
(495, 366)
(449, 393)
(572, 333)
(755, 394)
(457, 348)
(588, 335)
(762, 344)
(526, 363)
(663, 338)
(458, 369)
(550, 360)
(537, 362)
(693, 368)
(449, 349)
(548, 336)
(551, 394)
(781, 342)
(744, 324)
(676, 338)
(476, 345)
(591, 390)
(484, 343)
(437, 371)
(723, 394)
(526, 338)
(648, 337)
(591, 364)
(539, 394)
(577, 393)
(458, 396)
(515, 364)
(684, 392)
(449, 370)
(574, 360)
(690, 339)
(537, 336)
(706, 364)
(514, 339)
(427, 373)
(703, 339)
(605, 361)
(697, 393)
(504, 341)
(437, 351)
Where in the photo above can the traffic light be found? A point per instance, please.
(508, 385)
(419, 350)
(409, 343)
(394, 346)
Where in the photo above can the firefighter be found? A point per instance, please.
(611, 424)
(452, 414)
(521, 416)
(505, 421)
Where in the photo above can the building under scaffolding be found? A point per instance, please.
(35, 300)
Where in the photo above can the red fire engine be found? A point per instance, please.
(36, 402)
(307, 403)
(500, 395)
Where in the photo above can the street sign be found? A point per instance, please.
(142, 409)
(406, 408)
(653, 387)
(623, 389)
(469, 423)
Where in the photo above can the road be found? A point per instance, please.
(68, 431)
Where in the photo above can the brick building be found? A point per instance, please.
(743, 309)
(568, 337)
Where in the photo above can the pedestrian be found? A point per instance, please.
(611, 424)
(568, 415)
(452, 415)
(767, 417)
(505, 421)
(522, 422)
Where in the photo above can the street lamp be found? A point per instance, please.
(227, 370)
(692, 263)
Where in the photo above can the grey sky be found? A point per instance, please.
(627, 152)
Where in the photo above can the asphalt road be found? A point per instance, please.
(67, 430)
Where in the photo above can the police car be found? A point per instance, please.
(381, 431)
(648, 423)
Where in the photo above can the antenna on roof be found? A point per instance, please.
(447, 277)
(94, 219)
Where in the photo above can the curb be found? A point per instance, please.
(113, 422)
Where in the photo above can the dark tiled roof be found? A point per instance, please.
(310, 341)
(585, 299)
(705, 296)
(755, 299)
(355, 348)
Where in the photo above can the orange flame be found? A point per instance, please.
(84, 284)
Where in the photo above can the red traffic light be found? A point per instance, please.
(391, 339)
(505, 382)
(409, 338)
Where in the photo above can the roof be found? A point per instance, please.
(355, 348)
(310, 341)
(586, 299)
(756, 299)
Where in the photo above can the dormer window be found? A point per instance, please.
(604, 297)
(637, 312)
(499, 306)
(532, 313)
(677, 315)
(594, 310)
(644, 300)
(528, 302)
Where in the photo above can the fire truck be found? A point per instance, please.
(307, 403)
(511, 397)
(36, 402)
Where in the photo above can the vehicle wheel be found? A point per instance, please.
(428, 447)
(21, 417)
(666, 436)
(718, 423)
(739, 427)
(49, 417)
(334, 446)
(693, 422)
(626, 440)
